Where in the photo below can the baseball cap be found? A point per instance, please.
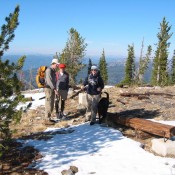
(62, 66)
(55, 61)
(94, 67)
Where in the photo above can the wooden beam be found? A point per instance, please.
(155, 128)
(132, 94)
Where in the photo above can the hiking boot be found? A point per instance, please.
(58, 115)
(92, 123)
(63, 114)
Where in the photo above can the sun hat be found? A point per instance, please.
(62, 66)
(55, 61)
(94, 67)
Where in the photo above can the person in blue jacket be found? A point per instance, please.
(94, 85)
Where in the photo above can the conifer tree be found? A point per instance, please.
(129, 67)
(173, 69)
(89, 66)
(73, 54)
(103, 68)
(10, 85)
(160, 69)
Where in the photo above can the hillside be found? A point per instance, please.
(158, 107)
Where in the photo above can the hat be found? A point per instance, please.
(62, 66)
(55, 61)
(94, 68)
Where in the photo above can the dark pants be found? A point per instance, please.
(57, 101)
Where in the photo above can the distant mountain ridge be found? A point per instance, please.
(34, 61)
(115, 66)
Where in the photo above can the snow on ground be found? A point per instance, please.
(101, 151)
(97, 150)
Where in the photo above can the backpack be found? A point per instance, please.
(40, 77)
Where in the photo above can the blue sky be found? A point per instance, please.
(108, 24)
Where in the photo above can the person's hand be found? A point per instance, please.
(82, 87)
(99, 89)
(56, 92)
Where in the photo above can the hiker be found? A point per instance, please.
(62, 86)
(94, 85)
(50, 90)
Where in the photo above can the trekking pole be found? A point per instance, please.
(74, 95)
(42, 98)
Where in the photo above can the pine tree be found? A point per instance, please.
(173, 69)
(10, 86)
(160, 62)
(73, 54)
(89, 66)
(103, 68)
(129, 67)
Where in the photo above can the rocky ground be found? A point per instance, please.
(158, 105)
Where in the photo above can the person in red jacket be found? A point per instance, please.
(62, 86)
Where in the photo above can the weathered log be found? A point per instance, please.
(155, 128)
(141, 97)
(132, 94)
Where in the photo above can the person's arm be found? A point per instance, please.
(50, 80)
(101, 84)
(84, 83)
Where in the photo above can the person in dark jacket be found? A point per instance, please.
(94, 85)
(50, 90)
(62, 86)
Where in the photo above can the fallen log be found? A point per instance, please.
(132, 94)
(155, 128)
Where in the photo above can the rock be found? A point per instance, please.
(71, 171)
(74, 169)
(163, 148)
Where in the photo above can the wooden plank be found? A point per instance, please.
(155, 128)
